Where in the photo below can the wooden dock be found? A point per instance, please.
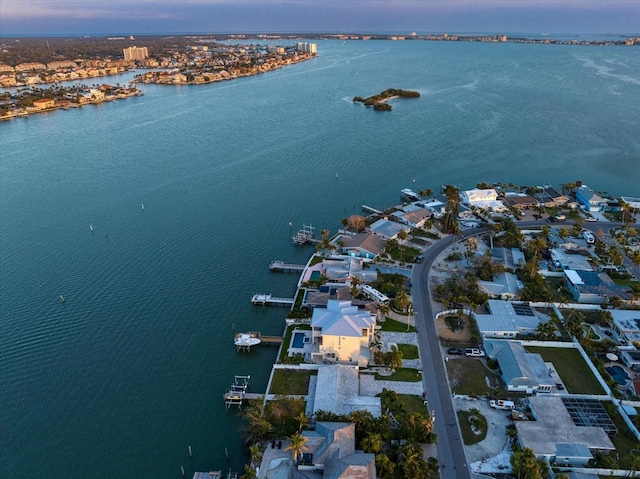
(244, 341)
(268, 300)
(369, 209)
(278, 265)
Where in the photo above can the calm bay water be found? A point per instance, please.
(130, 370)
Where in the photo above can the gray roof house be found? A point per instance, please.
(388, 229)
(412, 215)
(594, 287)
(551, 197)
(562, 259)
(338, 391)
(365, 245)
(555, 436)
(508, 320)
(332, 454)
(504, 286)
(521, 371)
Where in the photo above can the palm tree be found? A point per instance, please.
(384, 310)
(401, 301)
(615, 255)
(546, 231)
(472, 247)
(545, 331)
(297, 446)
(303, 420)
(255, 452)
(355, 282)
(249, 472)
(563, 233)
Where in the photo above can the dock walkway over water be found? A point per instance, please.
(278, 265)
(369, 209)
(268, 300)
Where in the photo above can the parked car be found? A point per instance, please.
(608, 333)
(591, 219)
(419, 258)
(455, 351)
(474, 353)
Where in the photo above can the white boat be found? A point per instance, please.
(246, 339)
(410, 194)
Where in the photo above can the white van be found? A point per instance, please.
(502, 404)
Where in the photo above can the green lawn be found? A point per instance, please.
(287, 381)
(409, 351)
(575, 373)
(413, 404)
(402, 374)
(396, 326)
(470, 376)
(467, 434)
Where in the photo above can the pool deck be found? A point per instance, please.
(271, 453)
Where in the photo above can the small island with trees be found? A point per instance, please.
(379, 101)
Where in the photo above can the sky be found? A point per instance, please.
(77, 17)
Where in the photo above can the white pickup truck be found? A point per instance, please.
(474, 353)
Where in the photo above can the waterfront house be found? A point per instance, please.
(342, 333)
(508, 320)
(387, 229)
(519, 201)
(477, 195)
(550, 197)
(363, 245)
(522, 371)
(44, 103)
(486, 199)
(413, 216)
(594, 287)
(590, 200)
(338, 391)
(331, 454)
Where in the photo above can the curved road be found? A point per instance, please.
(434, 378)
(450, 446)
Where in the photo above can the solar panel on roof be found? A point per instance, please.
(522, 309)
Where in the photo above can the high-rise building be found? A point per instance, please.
(307, 47)
(135, 53)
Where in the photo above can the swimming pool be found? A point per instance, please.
(298, 340)
(619, 374)
(315, 276)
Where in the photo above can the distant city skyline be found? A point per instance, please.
(76, 17)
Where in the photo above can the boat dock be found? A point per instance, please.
(237, 393)
(304, 236)
(244, 341)
(278, 265)
(214, 475)
(369, 209)
(268, 300)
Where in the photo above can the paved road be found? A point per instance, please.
(434, 377)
